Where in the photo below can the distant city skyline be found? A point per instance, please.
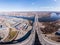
(29, 5)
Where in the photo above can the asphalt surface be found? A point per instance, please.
(36, 40)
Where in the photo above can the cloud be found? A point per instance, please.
(33, 3)
(55, 0)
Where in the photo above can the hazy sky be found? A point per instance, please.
(29, 5)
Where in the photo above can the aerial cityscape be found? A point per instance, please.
(29, 22)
